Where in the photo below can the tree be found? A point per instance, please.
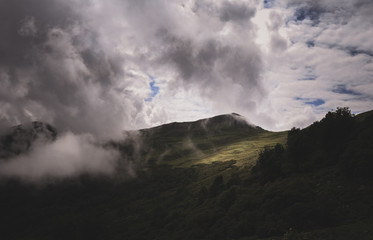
(269, 162)
(217, 186)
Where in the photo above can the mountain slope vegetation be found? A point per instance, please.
(314, 184)
(221, 138)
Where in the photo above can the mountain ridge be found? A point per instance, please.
(225, 120)
(186, 143)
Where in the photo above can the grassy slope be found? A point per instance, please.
(244, 150)
(222, 138)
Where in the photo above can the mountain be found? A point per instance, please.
(208, 126)
(311, 183)
(19, 139)
(221, 138)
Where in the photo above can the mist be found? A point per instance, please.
(69, 156)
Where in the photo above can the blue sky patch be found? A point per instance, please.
(153, 88)
(315, 102)
(306, 13)
(354, 51)
(343, 90)
(268, 3)
(310, 44)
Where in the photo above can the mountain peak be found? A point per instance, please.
(232, 122)
(228, 120)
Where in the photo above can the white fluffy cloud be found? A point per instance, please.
(327, 62)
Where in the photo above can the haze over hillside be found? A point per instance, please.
(36, 150)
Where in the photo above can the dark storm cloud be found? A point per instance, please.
(55, 67)
(55, 70)
(15, 40)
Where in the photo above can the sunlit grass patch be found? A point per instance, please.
(244, 151)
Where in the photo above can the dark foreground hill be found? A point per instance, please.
(316, 186)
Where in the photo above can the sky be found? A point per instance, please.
(100, 67)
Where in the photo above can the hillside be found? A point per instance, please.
(221, 138)
(316, 185)
(19, 139)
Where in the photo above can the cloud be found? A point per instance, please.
(326, 62)
(68, 63)
(28, 28)
(55, 67)
(70, 155)
(236, 12)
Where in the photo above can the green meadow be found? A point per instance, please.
(245, 151)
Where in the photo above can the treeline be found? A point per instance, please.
(340, 139)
